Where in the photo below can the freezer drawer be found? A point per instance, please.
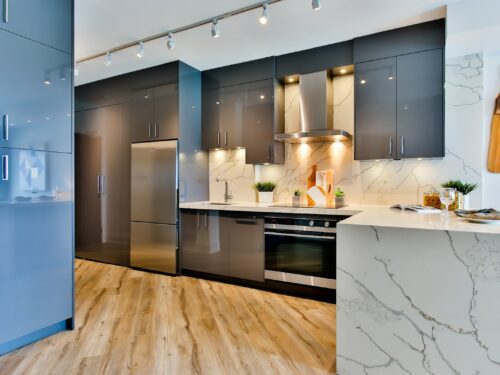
(154, 247)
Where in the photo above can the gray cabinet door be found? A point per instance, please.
(375, 113)
(166, 112)
(233, 111)
(143, 115)
(204, 237)
(211, 119)
(246, 248)
(102, 194)
(258, 126)
(36, 256)
(420, 105)
(36, 105)
(49, 21)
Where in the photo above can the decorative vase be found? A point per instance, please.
(266, 196)
(296, 201)
(339, 201)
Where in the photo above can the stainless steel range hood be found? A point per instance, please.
(316, 112)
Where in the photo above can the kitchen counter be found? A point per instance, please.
(417, 294)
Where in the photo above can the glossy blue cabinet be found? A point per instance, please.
(36, 95)
(36, 244)
(46, 21)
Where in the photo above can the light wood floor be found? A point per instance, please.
(132, 322)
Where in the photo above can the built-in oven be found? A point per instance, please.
(301, 250)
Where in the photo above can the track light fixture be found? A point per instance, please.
(316, 4)
(107, 61)
(170, 41)
(215, 28)
(265, 14)
(140, 50)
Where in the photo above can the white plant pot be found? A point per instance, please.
(266, 197)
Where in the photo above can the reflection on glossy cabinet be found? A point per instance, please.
(204, 246)
(49, 22)
(102, 160)
(233, 110)
(36, 113)
(35, 241)
(211, 123)
(375, 97)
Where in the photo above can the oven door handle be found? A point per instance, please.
(299, 235)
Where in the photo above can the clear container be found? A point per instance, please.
(431, 198)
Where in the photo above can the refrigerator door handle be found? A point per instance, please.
(6, 11)
(5, 167)
(5, 130)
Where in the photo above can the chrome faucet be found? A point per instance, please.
(227, 195)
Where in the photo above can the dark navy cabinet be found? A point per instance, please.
(49, 21)
(36, 226)
(36, 95)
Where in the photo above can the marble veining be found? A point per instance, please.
(372, 182)
(415, 302)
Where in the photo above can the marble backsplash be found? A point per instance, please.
(369, 182)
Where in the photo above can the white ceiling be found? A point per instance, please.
(292, 26)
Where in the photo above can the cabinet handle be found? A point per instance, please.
(206, 220)
(5, 167)
(225, 138)
(103, 184)
(156, 130)
(402, 145)
(6, 11)
(218, 138)
(198, 220)
(246, 222)
(149, 131)
(5, 130)
(269, 152)
(390, 146)
(99, 185)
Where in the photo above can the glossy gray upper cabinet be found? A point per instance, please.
(211, 123)
(420, 105)
(155, 113)
(36, 226)
(375, 110)
(261, 123)
(233, 111)
(49, 21)
(36, 112)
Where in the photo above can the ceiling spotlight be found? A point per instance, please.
(140, 50)
(265, 14)
(316, 4)
(107, 62)
(170, 41)
(215, 29)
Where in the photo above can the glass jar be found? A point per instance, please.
(431, 198)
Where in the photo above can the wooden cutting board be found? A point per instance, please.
(494, 154)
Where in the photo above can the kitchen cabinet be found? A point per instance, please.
(102, 160)
(420, 104)
(211, 123)
(204, 247)
(36, 242)
(36, 110)
(262, 120)
(155, 114)
(246, 247)
(399, 107)
(49, 22)
(225, 245)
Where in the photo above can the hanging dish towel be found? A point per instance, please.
(494, 154)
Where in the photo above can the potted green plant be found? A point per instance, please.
(297, 198)
(339, 197)
(265, 191)
(463, 189)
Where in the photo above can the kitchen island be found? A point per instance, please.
(417, 294)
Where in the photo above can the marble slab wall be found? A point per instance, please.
(371, 182)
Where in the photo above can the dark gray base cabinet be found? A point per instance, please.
(225, 245)
(399, 107)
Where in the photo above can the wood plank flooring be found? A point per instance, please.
(133, 322)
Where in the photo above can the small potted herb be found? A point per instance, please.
(265, 191)
(339, 197)
(463, 189)
(297, 198)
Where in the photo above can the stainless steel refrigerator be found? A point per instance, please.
(154, 206)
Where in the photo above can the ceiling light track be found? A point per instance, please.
(209, 21)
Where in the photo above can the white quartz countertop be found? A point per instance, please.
(369, 215)
(271, 208)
